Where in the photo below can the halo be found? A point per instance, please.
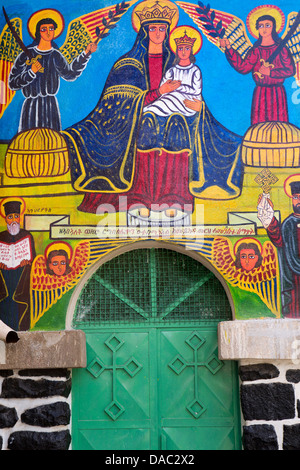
(191, 33)
(262, 10)
(8, 199)
(59, 246)
(46, 13)
(288, 181)
(148, 4)
(247, 240)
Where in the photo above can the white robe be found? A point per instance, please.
(173, 102)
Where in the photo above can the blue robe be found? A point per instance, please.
(40, 108)
(103, 146)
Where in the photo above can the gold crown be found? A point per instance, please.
(156, 13)
(185, 40)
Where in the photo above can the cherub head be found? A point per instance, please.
(248, 256)
(57, 263)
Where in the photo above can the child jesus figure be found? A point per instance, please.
(187, 74)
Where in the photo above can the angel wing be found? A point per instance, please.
(215, 24)
(294, 43)
(92, 27)
(262, 280)
(47, 289)
(9, 50)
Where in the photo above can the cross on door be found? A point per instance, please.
(96, 367)
(178, 364)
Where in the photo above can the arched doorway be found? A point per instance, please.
(153, 378)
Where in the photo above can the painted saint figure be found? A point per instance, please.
(160, 161)
(286, 238)
(40, 80)
(269, 101)
(16, 257)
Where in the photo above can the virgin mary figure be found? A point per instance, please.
(157, 162)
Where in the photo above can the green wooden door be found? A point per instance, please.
(153, 378)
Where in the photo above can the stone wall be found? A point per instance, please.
(270, 404)
(269, 367)
(35, 409)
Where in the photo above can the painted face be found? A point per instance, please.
(13, 223)
(184, 52)
(157, 33)
(296, 203)
(47, 32)
(248, 259)
(58, 265)
(265, 28)
(12, 218)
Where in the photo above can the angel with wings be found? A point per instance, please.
(39, 78)
(60, 268)
(39, 81)
(265, 23)
(250, 266)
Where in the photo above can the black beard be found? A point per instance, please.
(296, 208)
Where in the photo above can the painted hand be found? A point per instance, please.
(195, 105)
(92, 47)
(265, 70)
(265, 210)
(36, 66)
(168, 86)
(25, 262)
(224, 43)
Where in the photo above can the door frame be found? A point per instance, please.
(139, 245)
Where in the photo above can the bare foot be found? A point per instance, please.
(171, 212)
(144, 212)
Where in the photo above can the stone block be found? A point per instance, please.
(291, 437)
(64, 349)
(54, 414)
(65, 373)
(258, 372)
(259, 339)
(260, 437)
(273, 401)
(27, 388)
(293, 375)
(8, 417)
(32, 440)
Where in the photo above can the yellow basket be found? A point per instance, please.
(37, 153)
(272, 144)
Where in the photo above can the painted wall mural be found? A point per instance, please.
(148, 120)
